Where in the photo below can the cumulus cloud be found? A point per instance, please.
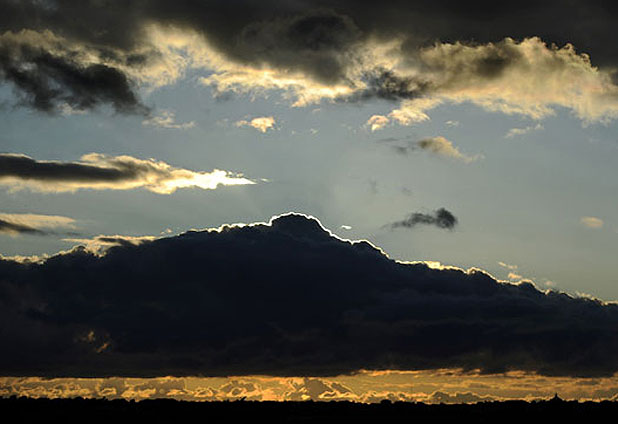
(100, 172)
(591, 221)
(377, 122)
(310, 53)
(262, 124)
(284, 298)
(28, 223)
(440, 218)
(167, 119)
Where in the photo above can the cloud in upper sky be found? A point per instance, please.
(591, 222)
(377, 122)
(27, 223)
(167, 119)
(440, 218)
(439, 146)
(262, 123)
(99, 172)
(516, 132)
(285, 298)
(311, 51)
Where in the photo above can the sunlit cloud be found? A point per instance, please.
(435, 386)
(100, 172)
(591, 221)
(377, 122)
(262, 123)
(102, 242)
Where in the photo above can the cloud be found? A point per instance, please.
(443, 147)
(284, 298)
(99, 172)
(51, 77)
(438, 146)
(167, 119)
(101, 242)
(591, 222)
(377, 122)
(27, 223)
(514, 132)
(262, 124)
(311, 51)
(440, 218)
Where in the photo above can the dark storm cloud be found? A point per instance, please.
(284, 299)
(440, 218)
(16, 228)
(313, 37)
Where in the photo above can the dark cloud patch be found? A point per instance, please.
(46, 82)
(440, 218)
(16, 228)
(313, 42)
(387, 85)
(25, 168)
(284, 299)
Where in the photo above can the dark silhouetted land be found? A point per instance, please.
(28, 410)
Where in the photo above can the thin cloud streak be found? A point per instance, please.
(100, 172)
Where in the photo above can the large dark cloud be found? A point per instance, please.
(284, 299)
(312, 36)
(26, 168)
(45, 82)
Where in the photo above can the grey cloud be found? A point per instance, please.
(440, 218)
(96, 171)
(46, 81)
(287, 298)
(15, 228)
(314, 37)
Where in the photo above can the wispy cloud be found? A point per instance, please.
(100, 172)
(27, 223)
(515, 132)
(439, 146)
(591, 221)
(167, 119)
(440, 218)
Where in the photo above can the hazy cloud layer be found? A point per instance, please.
(440, 218)
(27, 223)
(99, 172)
(423, 54)
(287, 298)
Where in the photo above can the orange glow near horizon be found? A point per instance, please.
(433, 386)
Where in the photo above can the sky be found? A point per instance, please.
(303, 192)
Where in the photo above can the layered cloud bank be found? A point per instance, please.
(285, 298)
(100, 172)
(420, 54)
(28, 223)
